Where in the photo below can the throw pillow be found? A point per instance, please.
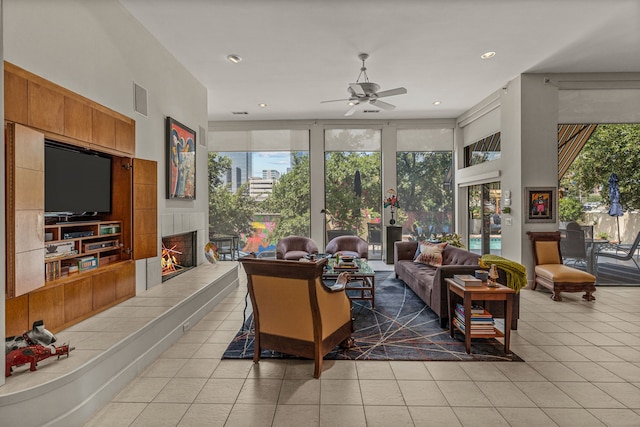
(431, 253)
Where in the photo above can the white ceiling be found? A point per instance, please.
(297, 53)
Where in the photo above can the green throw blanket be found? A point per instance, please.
(516, 273)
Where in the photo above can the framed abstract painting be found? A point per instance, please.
(181, 161)
(540, 204)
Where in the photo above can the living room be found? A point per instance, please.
(99, 50)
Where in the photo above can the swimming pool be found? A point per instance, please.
(495, 243)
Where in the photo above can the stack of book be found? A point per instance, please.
(466, 280)
(481, 321)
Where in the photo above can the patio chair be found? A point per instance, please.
(574, 248)
(627, 252)
(550, 272)
(294, 312)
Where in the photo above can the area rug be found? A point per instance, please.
(401, 327)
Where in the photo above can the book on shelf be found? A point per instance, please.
(466, 280)
(484, 332)
(477, 309)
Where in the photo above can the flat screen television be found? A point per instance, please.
(77, 182)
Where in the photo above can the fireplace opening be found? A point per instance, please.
(178, 254)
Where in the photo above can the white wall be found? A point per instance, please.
(97, 49)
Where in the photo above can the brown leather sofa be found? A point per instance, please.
(348, 245)
(429, 284)
(295, 247)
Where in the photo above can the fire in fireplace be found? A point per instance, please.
(178, 254)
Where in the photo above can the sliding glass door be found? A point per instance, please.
(485, 225)
(353, 185)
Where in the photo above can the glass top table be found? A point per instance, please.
(361, 285)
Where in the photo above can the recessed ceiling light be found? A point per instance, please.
(488, 55)
(234, 58)
(262, 105)
(436, 102)
(351, 103)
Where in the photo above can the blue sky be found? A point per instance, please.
(278, 160)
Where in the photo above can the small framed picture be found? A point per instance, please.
(540, 204)
(181, 161)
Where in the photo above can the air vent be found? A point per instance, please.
(139, 99)
(239, 113)
(203, 136)
(371, 111)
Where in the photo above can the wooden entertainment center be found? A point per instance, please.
(65, 272)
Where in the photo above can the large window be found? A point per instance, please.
(425, 182)
(485, 150)
(261, 193)
(353, 185)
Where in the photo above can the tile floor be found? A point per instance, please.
(582, 369)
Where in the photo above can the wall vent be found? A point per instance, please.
(239, 113)
(371, 111)
(139, 99)
(203, 136)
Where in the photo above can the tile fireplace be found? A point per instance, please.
(179, 254)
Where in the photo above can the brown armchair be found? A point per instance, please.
(550, 272)
(295, 247)
(348, 245)
(294, 312)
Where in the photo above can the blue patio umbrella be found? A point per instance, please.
(614, 194)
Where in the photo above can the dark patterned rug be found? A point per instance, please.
(401, 327)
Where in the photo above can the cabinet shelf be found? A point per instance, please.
(97, 239)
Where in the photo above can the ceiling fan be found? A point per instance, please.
(366, 92)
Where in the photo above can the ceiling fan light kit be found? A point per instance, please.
(366, 92)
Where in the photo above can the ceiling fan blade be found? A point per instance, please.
(352, 110)
(357, 89)
(336, 100)
(391, 92)
(384, 105)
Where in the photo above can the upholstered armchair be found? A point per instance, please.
(295, 247)
(294, 312)
(550, 272)
(348, 245)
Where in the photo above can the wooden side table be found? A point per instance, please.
(479, 293)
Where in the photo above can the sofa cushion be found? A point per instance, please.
(431, 253)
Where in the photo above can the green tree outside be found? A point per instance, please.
(611, 148)
(290, 198)
(229, 213)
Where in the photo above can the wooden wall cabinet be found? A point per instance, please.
(77, 119)
(37, 109)
(35, 102)
(15, 98)
(45, 108)
(104, 129)
(25, 224)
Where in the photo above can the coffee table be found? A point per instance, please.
(362, 279)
